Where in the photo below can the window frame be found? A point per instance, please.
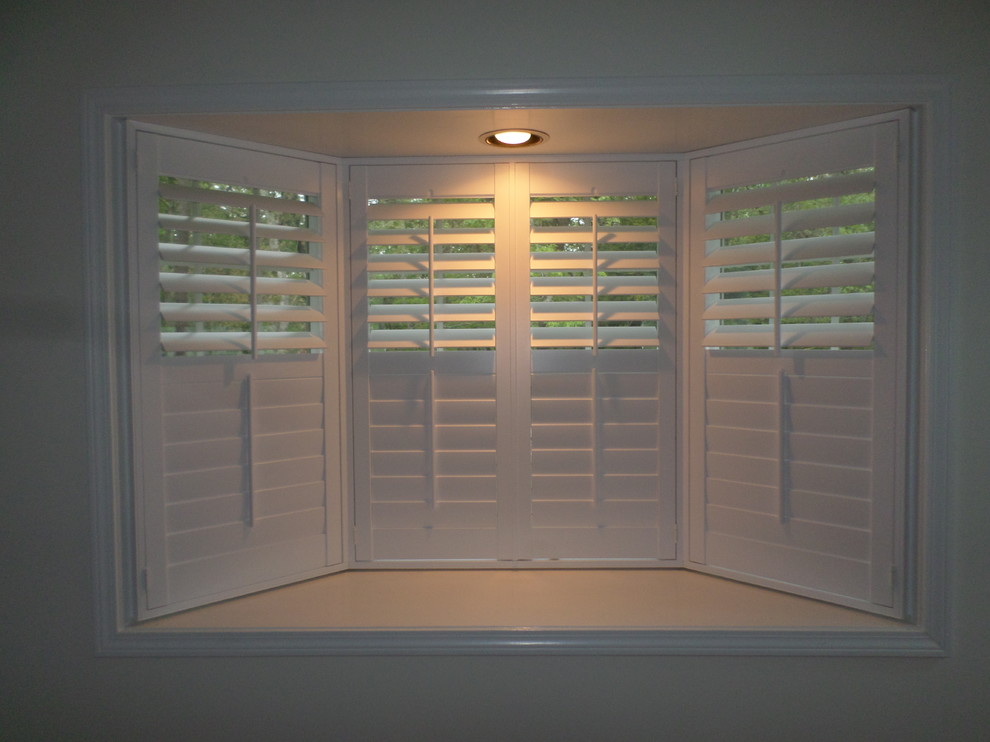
(110, 396)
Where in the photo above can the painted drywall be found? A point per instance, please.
(53, 686)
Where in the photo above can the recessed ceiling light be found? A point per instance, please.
(514, 137)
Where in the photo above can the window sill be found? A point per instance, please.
(437, 612)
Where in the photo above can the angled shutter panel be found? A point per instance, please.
(799, 353)
(232, 335)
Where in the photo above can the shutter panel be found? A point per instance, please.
(601, 406)
(424, 362)
(233, 339)
(796, 326)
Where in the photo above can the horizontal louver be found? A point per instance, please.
(241, 269)
(431, 274)
(790, 264)
(594, 267)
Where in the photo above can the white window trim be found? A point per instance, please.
(104, 112)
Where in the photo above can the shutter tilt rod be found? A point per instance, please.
(431, 295)
(778, 250)
(432, 424)
(253, 298)
(596, 433)
(782, 483)
(594, 284)
(249, 474)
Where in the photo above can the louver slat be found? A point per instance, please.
(628, 261)
(608, 337)
(181, 223)
(586, 208)
(831, 187)
(812, 305)
(833, 216)
(237, 200)
(812, 335)
(206, 254)
(608, 311)
(421, 313)
(238, 341)
(196, 283)
(802, 277)
(854, 245)
(420, 287)
(193, 312)
(420, 263)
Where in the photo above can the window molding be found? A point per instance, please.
(109, 394)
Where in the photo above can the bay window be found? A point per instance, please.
(694, 361)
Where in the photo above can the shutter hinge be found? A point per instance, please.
(144, 580)
(354, 535)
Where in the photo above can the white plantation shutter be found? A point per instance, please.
(426, 389)
(798, 361)
(514, 405)
(601, 408)
(237, 491)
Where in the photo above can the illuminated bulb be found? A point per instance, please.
(512, 137)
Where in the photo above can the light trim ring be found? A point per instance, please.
(514, 138)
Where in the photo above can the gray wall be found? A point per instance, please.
(53, 685)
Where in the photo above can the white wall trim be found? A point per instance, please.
(105, 108)
(521, 641)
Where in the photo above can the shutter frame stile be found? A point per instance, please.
(233, 495)
(808, 543)
(149, 504)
